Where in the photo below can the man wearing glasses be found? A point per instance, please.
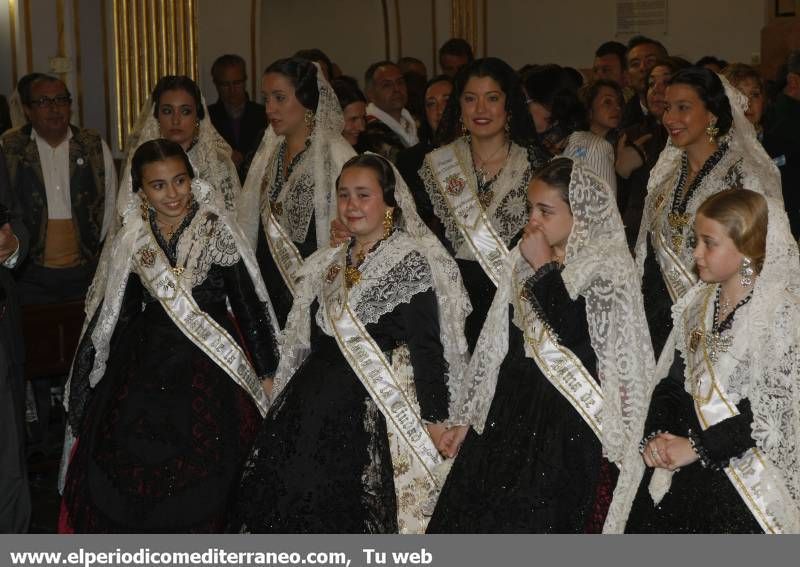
(239, 120)
(65, 181)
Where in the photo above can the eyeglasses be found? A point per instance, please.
(231, 84)
(47, 102)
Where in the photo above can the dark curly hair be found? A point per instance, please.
(554, 87)
(178, 83)
(302, 73)
(709, 88)
(522, 130)
(152, 151)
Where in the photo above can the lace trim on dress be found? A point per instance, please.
(508, 209)
(391, 274)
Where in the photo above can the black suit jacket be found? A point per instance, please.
(254, 120)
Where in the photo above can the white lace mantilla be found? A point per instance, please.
(409, 262)
(205, 242)
(294, 197)
(508, 210)
(597, 267)
(311, 187)
(745, 165)
(727, 173)
(765, 349)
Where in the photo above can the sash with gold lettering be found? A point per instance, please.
(751, 474)
(560, 366)
(286, 255)
(677, 276)
(418, 466)
(461, 194)
(164, 283)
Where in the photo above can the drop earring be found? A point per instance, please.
(712, 131)
(746, 272)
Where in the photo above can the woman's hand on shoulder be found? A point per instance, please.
(339, 233)
(630, 155)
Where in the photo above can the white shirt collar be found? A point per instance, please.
(408, 133)
(37, 138)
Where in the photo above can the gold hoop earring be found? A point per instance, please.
(712, 131)
(507, 127)
(388, 222)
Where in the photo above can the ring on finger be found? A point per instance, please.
(654, 453)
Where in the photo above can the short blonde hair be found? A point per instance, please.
(744, 215)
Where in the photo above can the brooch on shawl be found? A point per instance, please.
(454, 185)
(147, 256)
(333, 271)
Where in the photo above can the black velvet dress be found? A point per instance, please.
(163, 436)
(321, 462)
(537, 467)
(700, 499)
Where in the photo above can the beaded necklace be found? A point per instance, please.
(716, 343)
(677, 217)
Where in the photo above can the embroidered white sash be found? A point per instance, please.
(677, 276)
(461, 196)
(163, 283)
(417, 465)
(560, 366)
(284, 252)
(752, 474)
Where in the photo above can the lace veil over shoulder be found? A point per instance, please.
(328, 151)
(599, 268)
(413, 251)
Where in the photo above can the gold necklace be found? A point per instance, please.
(352, 270)
(171, 228)
(481, 170)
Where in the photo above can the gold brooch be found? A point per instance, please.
(333, 271)
(147, 256)
(455, 185)
(677, 222)
(694, 339)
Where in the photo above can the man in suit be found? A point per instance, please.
(238, 119)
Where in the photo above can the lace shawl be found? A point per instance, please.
(508, 211)
(196, 252)
(745, 165)
(599, 268)
(410, 261)
(210, 156)
(314, 176)
(766, 346)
